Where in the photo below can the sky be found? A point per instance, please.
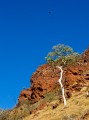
(27, 33)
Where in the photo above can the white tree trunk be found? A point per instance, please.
(62, 87)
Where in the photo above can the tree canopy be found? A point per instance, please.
(61, 52)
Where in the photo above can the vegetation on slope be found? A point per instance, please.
(50, 107)
(77, 109)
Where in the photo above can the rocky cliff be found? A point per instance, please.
(43, 100)
(45, 80)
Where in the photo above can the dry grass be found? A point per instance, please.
(77, 109)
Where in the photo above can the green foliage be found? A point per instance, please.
(61, 55)
(51, 96)
(48, 97)
(71, 58)
(59, 50)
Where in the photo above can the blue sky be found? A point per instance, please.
(27, 34)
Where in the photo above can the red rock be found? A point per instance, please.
(45, 79)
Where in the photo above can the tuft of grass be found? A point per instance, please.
(4, 114)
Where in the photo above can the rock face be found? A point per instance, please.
(45, 79)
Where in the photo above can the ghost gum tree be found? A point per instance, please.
(61, 56)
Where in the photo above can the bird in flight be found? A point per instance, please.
(49, 12)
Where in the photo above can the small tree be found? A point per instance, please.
(61, 52)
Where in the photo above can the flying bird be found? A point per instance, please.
(49, 12)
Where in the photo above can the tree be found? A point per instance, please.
(61, 54)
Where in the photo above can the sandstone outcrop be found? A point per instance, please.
(45, 79)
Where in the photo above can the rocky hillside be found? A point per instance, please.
(45, 79)
(44, 95)
(77, 109)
